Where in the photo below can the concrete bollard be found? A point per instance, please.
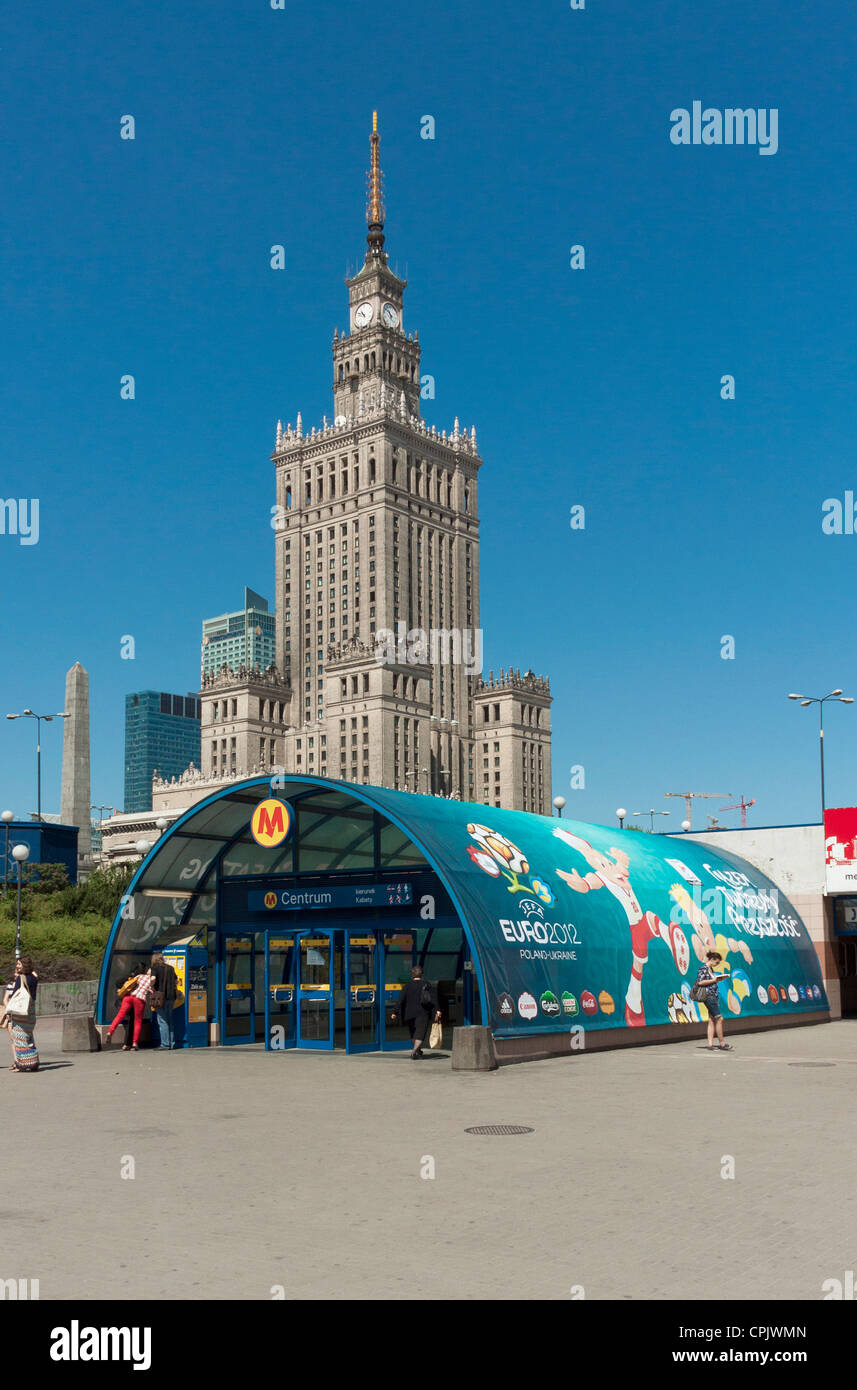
(80, 1035)
(473, 1049)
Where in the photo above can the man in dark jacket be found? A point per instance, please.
(418, 1007)
(163, 998)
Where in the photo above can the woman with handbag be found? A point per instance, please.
(418, 1008)
(705, 991)
(19, 1015)
(121, 990)
(134, 1001)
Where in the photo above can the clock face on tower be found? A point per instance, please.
(363, 314)
(391, 315)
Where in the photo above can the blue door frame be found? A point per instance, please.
(280, 991)
(318, 994)
(233, 992)
(363, 994)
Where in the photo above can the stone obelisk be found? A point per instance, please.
(74, 803)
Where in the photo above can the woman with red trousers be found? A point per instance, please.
(136, 1001)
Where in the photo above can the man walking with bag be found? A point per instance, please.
(163, 998)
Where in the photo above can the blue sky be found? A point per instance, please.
(598, 387)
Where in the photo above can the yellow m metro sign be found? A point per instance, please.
(271, 822)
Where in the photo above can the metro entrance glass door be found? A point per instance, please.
(280, 992)
(315, 995)
(362, 1013)
(399, 955)
(238, 994)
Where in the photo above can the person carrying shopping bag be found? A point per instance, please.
(19, 1015)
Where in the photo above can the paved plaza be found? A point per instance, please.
(257, 1169)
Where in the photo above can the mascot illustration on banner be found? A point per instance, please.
(704, 939)
(610, 871)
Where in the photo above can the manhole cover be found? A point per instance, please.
(499, 1129)
(812, 1064)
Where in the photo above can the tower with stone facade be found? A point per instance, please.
(377, 676)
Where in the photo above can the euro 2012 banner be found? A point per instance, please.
(581, 924)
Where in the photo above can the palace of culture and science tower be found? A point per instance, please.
(376, 537)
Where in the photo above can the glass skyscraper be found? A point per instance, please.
(162, 733)
(245, 638)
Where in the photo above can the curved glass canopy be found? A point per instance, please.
(568, 924)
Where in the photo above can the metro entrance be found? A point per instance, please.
(322, 988)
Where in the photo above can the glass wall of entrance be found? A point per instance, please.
(322, 988)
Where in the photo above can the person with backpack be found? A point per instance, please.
(705, 992)
(163, 1001)
(418, 1008)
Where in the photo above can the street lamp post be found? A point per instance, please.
(20, 853)
(652, 813)
(820, 701)
(28, 714)
(559, 802)
(621, 813)
(7, 817)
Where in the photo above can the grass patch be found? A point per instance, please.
(70, 949)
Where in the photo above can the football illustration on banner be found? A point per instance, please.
(610, 871)
(496, 855)
(681, 1008)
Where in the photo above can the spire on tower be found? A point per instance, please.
(375, 195)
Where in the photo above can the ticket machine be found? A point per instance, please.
(190, 1014)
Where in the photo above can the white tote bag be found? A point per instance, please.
(20, 1004)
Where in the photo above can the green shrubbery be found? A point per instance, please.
(64, 927)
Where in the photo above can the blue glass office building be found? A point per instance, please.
(243, 638)
(162, 732)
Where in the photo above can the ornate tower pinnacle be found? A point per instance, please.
(375, 197)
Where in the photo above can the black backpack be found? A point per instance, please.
(426, 997)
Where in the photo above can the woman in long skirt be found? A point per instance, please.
(25, 1055)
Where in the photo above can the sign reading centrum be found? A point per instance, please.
(354, 895)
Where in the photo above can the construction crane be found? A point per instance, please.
(742, 806)
(688, 797)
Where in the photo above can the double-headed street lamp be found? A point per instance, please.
(28, 714)
(822, 700)
(652, 813)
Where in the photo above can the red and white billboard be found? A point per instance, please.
(840, 849)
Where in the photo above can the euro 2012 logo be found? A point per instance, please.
(498, 857)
